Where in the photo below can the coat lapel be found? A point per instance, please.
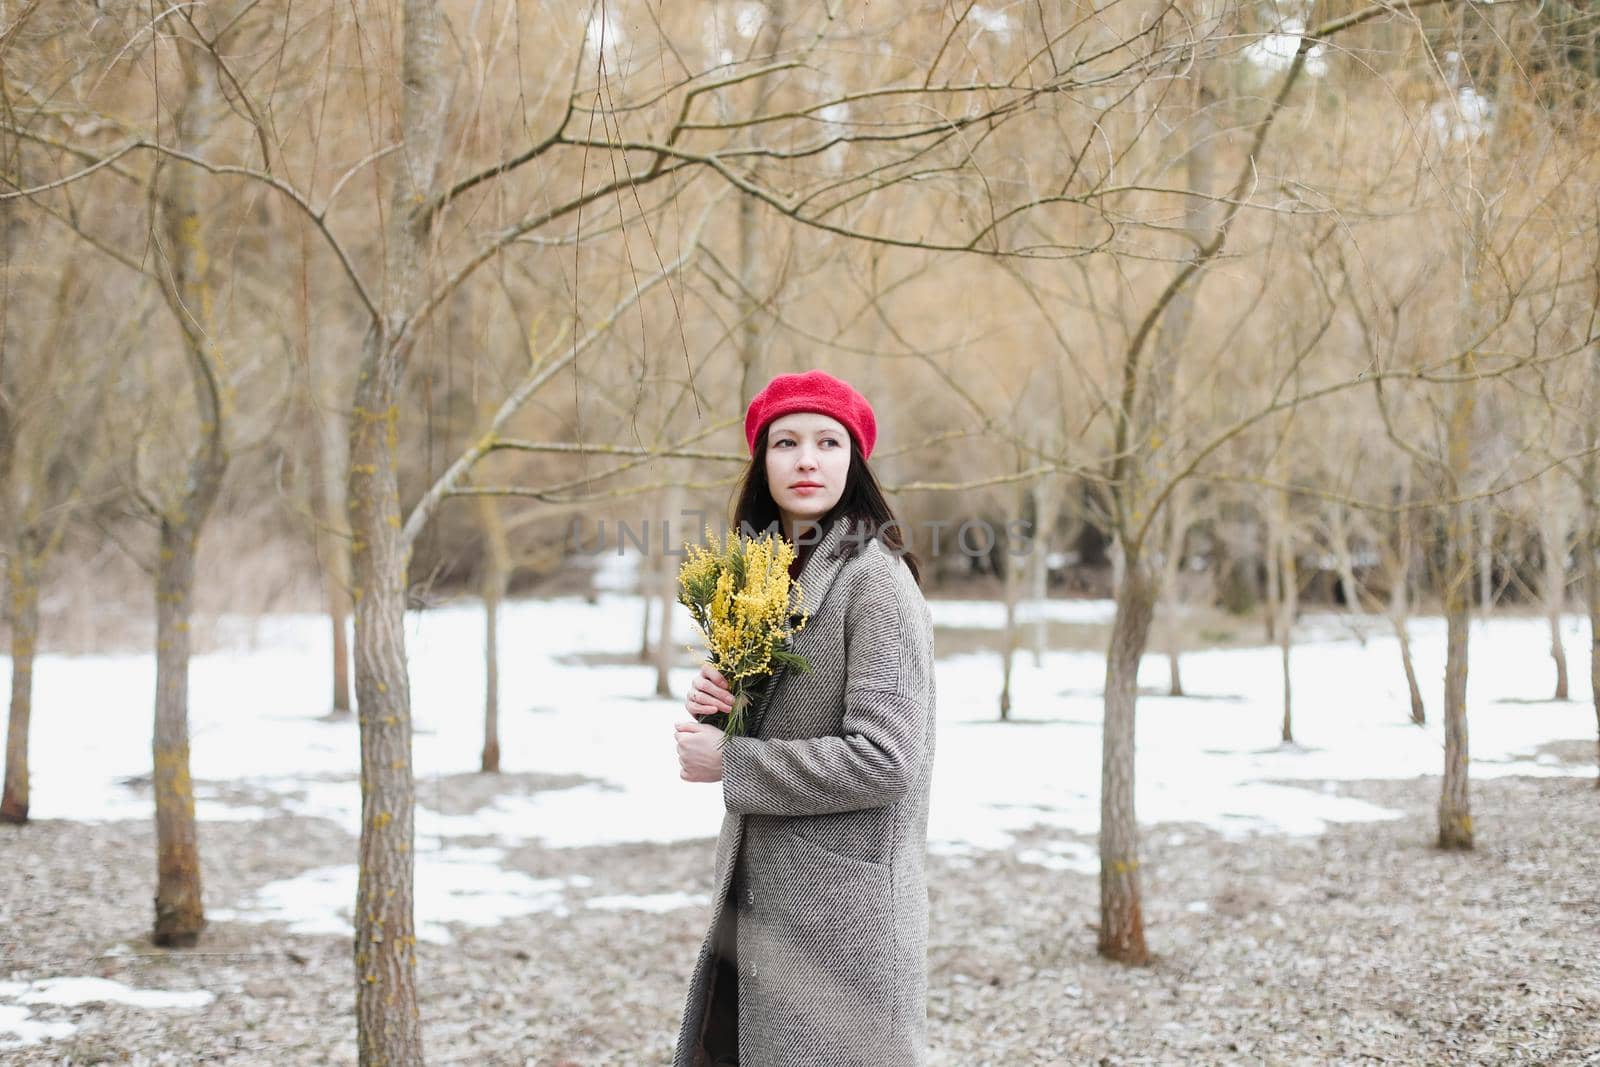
(816, 577)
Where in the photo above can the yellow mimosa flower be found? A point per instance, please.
(739, 594)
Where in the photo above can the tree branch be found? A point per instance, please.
(531, 384)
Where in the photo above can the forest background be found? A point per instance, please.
(1236, 305)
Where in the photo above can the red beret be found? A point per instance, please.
(817, 391)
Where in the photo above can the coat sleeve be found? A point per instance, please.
(881, 747)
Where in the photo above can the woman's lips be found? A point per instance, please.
(810, 488)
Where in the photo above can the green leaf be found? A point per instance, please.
(792, 660)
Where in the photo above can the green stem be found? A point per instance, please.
(736, 725)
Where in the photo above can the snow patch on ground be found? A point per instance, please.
(573, 702)
(18, 1029)
(466, 886)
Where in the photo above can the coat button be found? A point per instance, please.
(749, 898)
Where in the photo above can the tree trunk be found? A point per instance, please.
(750, 334)
(1148, 416)
(1010, 592)
(664, 653)
(1400, 600)
(335, 553)
(1274, 581)
(1419, 711)
(389, 1030)
(1553, 547)
(388, 1027)
(179, 916)
(1119, 565)
(1171, 596)
(1339, 527)
(1589, 481)
(667, 590)
(1592, 586)
(1455, 812)
(1288, 607)
(338, 618)
(22, 595)
(1594, 637)
(648, 598)
(1350, 588)
(496, 575)
(1121, 913)
(1486, 558)
(1047, 505)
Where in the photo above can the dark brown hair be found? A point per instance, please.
(862, 505)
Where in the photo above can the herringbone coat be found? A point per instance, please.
(824, 840)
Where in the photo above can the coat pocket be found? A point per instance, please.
(833, 982)
(865, 835)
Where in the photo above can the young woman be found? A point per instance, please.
(817, 951)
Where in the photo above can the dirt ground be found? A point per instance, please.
(1363, 945)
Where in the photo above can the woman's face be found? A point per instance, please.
(808, 457)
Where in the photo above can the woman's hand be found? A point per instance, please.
(708, 693)
(699, 752)
(700, 745)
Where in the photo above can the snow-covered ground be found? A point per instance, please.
(18, 1029)
(257, 718)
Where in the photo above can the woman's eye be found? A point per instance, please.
(829, 441)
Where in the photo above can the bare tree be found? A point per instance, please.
(1007, 555)
(1399, 568)
(1589, 487)
(1135, 489)
(332, 535)
(52, 395)
(1281, 556)
(1484, 523)
(1138, 487)
(1172, 556)
(1455, 815)
(187, 286)
(1046, 514)
(666, 651)
(1553, 520)
(388, 1025)
(496, 576)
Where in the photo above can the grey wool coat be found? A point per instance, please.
(823, 844)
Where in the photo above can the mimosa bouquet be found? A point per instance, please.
(739, 597)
